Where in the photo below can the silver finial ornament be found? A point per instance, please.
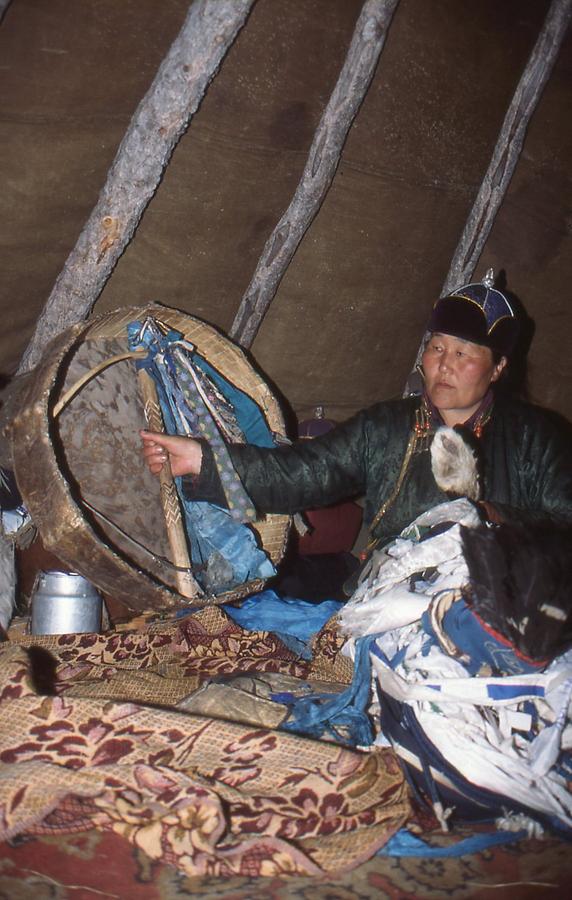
(489, 279)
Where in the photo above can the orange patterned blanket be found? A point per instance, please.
(90, 726)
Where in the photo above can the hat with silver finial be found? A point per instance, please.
(479, 313)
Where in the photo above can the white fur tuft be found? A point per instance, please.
(454, 464)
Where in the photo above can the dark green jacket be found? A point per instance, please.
(527, 462)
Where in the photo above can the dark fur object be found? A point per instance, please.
(521, 585)
(43, 671)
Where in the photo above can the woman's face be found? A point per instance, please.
(458, 375)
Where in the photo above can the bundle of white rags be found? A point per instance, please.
(394, 591)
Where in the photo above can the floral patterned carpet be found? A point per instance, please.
(110, 788)
(91, 864)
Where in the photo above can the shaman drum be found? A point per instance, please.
(79, 467)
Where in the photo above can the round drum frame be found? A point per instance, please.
(59, 514)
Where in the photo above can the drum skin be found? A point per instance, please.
(81, 473)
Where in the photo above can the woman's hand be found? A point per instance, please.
(184, 454)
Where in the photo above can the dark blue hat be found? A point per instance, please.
(479, 313)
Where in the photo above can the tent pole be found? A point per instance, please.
(509, 145)
(505, 154)
(157, 125)
(4, 4)
(323, 159)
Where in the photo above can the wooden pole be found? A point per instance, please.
(158, 123)
(506, 153)
(186, 584)
(4, 4)
(323, 159)
(509, 145)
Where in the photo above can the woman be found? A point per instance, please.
(382, 452)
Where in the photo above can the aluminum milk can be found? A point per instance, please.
(65, 603)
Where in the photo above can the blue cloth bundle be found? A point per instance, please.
(223, 549)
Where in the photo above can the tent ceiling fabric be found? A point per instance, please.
(345, 325)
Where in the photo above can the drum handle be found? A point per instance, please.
(186, 584)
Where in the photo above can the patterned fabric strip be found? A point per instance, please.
(169, 363)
